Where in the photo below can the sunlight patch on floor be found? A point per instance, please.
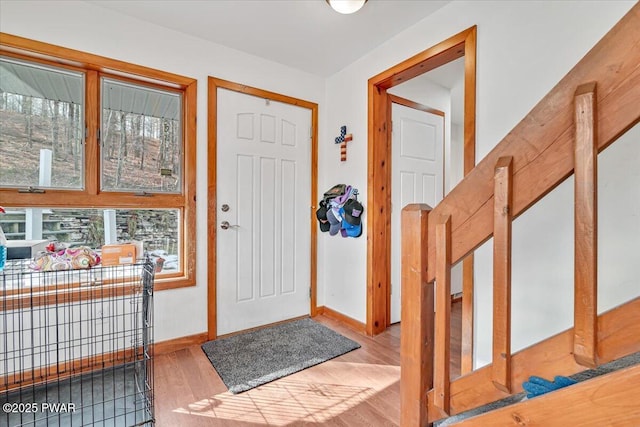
(300, 397)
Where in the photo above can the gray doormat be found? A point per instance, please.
(254, 358)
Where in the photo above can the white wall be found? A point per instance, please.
(82, 26)
(455, 175)
(619, 221)
(524, 49)
(457, 152)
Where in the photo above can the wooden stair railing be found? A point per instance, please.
(608, 400)
(542, 143)
(618, 332)
(526, 165)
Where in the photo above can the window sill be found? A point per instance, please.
(79, 289)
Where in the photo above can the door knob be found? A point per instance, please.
(225, 225)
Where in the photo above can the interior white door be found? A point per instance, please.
(417, 152)
(264, 225)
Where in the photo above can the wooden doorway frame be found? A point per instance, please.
(212, 137)
(394, 99)
(461, 45)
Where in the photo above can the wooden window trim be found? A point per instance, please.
(95, 67)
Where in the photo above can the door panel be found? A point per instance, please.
(264, 175)
(417, 176)
(288, 230)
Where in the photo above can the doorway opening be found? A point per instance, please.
(462, 45)
(417, 162)
(212, 172)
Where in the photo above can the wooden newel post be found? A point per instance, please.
(417, 317)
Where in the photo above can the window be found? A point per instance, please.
(42, 111)
(141, 138)
(83, 137)
(157, 229)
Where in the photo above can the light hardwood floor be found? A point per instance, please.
(360, 388)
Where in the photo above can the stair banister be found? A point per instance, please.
(543, 151)
(542, 143)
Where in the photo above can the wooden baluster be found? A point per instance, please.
(586, 227)
(443, 316)
(502, 219)
(416, 333)
(466, 344)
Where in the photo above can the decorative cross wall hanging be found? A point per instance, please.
(342, 140)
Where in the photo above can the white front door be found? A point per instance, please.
(263, 193)
(417, 150)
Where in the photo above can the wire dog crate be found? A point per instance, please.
(76, 346)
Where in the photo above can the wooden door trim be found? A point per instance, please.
(394, 99)
(212, 137)
(460, 45)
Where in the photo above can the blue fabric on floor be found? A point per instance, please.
(538, 385)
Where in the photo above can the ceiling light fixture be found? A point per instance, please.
(346, 6)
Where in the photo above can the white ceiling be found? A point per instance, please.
(303, 34)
